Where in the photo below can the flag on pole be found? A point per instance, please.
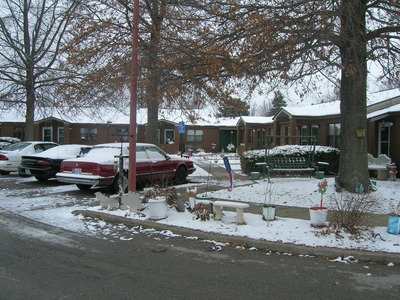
(229, 172)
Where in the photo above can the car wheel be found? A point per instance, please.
(4, 172)
(124, 184)
(180, 176)
(41, 179)
(83, 187)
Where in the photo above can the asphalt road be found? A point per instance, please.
(38, 261)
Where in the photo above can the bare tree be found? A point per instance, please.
(31, 34)
(307, 41)
(179, 67)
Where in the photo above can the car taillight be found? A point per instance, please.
(43, 163)
(3, 157)
(96, 170)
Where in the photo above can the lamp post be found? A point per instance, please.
(133, 99)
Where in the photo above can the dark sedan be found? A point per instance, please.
(100, 166)
(46, 165)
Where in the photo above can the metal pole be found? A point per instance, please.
(133, 99)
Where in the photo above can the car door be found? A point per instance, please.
(143, 165)
(162, 167)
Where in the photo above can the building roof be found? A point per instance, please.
(379, 103)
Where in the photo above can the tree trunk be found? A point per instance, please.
(153, 93)
(353, 162)
(157, 11)
(30, 105)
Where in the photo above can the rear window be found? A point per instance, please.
(14, 147)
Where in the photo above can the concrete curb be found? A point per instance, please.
(381, 257)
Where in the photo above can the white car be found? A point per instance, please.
(46, 165)
(10, 156)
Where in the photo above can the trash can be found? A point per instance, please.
(255, 175)
(319, 174)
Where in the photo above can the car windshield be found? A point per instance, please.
(14, 147)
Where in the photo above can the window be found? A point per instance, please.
(155, 154)
(169, 136)
(123, 133)
(47, 134)
(314, 132)
(304, 133)
(89, 134)
(19, 132)
(60, 134)
(194, 135)
(287, 135)
(251, 136)
(334, 135)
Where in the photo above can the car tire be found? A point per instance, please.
(180, 176)
(4, 172)
(41, 179)
(83, 187)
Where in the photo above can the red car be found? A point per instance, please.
(100, 166)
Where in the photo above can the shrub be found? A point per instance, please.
(350, 209)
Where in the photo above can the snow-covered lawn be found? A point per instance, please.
(47, 206)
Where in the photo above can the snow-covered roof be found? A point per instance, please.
(384, 112)
(204, 117)
(318, 110)
(256, 120)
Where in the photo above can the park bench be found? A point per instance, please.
(380, 165)
(219, 205)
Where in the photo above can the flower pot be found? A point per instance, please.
(268, 212)
(192, 202)
(393, 226)
(318, 216)
(158, 208)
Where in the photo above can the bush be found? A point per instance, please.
(350, 209)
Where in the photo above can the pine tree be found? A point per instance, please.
(277, 103)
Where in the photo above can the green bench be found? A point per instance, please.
(287, 164)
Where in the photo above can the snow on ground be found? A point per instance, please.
(288, 191)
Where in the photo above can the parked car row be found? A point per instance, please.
(88, 166)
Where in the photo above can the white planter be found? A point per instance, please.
(318, 216)
(192, 202)
(268, 212)
(158, 208)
